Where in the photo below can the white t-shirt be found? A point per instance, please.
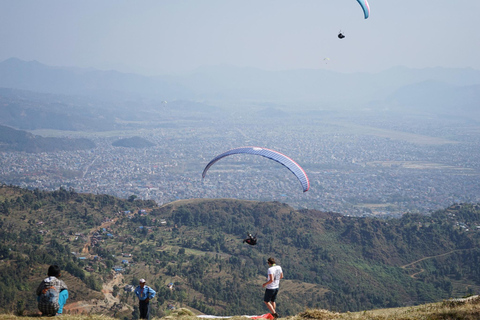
(276, 271)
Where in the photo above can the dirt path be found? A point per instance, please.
(108, 304)
(426, 258)
(108, 289)
(86, 247)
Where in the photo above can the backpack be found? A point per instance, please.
(49, 295)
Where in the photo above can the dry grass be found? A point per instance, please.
(63, 317)
(464, 309)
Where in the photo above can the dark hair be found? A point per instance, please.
(271, 260)
(54, 271)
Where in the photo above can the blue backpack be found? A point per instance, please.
(49, 295)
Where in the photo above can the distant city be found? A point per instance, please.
(359, 165)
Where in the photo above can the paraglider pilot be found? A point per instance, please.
(251, 240)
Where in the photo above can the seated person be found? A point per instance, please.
(52, 293)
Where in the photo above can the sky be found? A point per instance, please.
(157, 37)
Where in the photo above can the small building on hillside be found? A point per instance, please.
(118, 269)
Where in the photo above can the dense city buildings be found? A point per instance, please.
(356, 165)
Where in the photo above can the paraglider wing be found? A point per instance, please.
(365, 7)
(270, 154)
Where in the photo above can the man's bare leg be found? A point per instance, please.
(270, 306)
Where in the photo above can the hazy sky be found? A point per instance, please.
(167, 36)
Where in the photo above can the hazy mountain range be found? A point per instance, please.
(422, 90)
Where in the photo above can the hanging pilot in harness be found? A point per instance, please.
(251, 240)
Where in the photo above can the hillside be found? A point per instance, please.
(28, 110)
(133, 142)
(18, 140)
(330, 261)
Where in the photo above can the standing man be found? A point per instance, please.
(144, 294)
(274, 275)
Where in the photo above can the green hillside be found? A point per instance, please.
(330, 261)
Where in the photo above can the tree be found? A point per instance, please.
(115, 291)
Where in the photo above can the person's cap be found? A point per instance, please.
(142, 281)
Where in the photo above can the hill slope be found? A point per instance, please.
(133, 142)
(17, 140)
(330, 262)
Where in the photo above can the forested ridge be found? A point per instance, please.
(330, 261)
(18, 140)
(133, 142)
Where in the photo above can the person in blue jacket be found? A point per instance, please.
(144, 294)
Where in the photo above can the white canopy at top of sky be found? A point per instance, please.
(170, 36)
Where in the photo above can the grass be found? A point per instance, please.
(465, 309)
